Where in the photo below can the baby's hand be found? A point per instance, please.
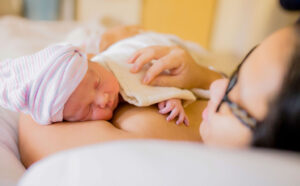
(175, 108)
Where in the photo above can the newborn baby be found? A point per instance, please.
(97, 96)
(59, 83)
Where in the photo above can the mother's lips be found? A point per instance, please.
(205, 114)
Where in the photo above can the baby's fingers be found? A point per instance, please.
(168, 107)
(183, 119)
(180, 118)
(186, 121)
(173, 114)
(161, 105)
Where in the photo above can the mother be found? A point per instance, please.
(261, 97)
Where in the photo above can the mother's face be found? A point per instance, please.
(259, 81)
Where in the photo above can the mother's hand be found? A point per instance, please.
(174, 67)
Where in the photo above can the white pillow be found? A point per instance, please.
(160, 163)
(11, 168)
(9, 131)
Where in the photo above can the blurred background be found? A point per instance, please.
(225, 26)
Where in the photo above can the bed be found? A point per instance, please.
(138, 162)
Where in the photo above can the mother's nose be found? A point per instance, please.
(217, 90)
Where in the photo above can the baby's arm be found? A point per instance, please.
(175, 108)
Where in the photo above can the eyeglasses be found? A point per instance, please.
(238, 111)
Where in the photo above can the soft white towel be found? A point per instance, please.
(132, 90)
(40, 84)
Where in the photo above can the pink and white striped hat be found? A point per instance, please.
(40, 84)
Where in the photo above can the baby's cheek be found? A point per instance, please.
(67, 114)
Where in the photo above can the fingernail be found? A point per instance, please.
(133, 69)
(186, 123)
(146, 79)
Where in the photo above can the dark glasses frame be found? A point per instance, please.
(245, 118)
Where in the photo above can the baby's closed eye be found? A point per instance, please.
(97, 83)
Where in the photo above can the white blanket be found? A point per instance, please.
(132, 90)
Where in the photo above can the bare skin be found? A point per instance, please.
(33, 138)
(154, 125)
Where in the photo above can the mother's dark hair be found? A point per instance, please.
(281, 127)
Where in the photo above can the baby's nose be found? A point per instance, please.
(102, 100)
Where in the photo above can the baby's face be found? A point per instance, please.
(95, 98)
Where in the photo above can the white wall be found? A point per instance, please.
(241, 24)
(120, 11)
(67, 10)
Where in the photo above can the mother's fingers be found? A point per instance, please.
(167, 81)
(167, 62)
(142, 60)
(135, 56)
(145, 55)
